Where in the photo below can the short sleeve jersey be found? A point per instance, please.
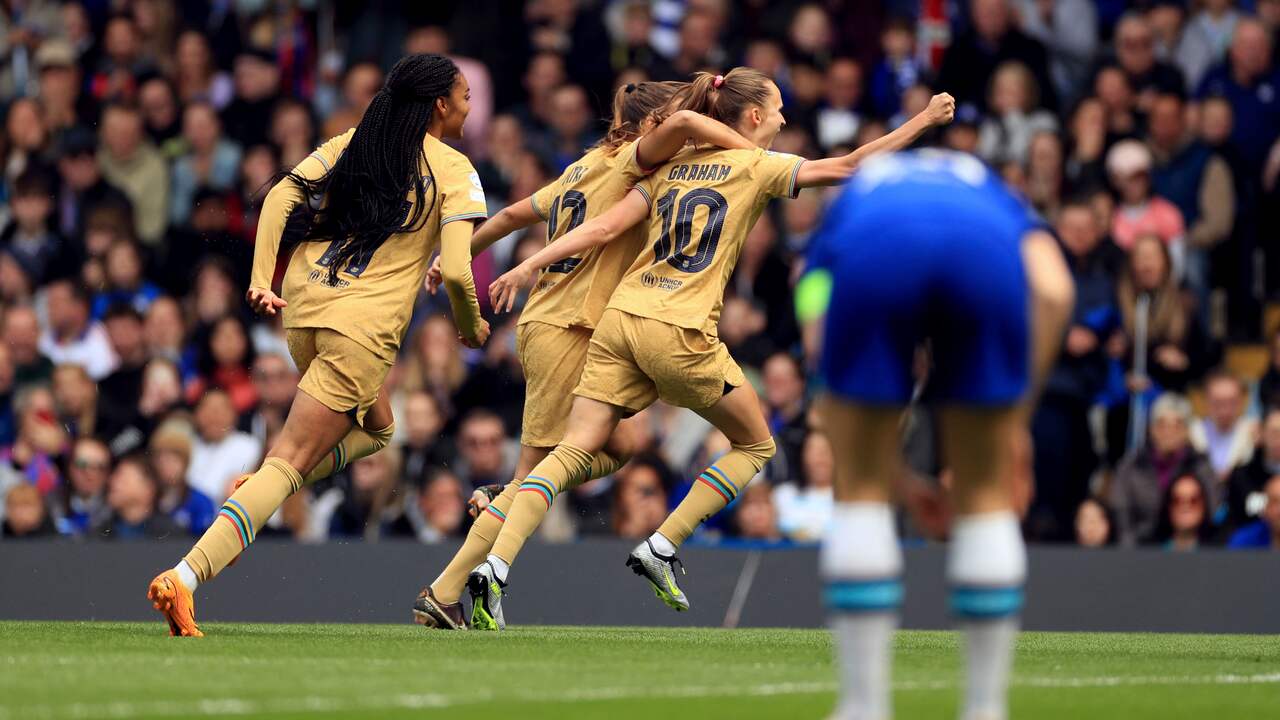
(702, 205)
(373, 298)
(575, 291)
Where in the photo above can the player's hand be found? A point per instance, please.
(481, 498)
(941, 110)
(264, 302)
(435, 277)
(481, 336)
(503, 291)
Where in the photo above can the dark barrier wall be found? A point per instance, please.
(586, 583)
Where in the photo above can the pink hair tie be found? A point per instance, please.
(719, 80)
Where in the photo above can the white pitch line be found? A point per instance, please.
(223, 707)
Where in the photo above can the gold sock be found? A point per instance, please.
(716, 487)
(567, 466)
(448, 587)
(242, 516)
(356, 444)
(605, 464)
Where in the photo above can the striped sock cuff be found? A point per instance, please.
(714, 478)
(235, 512)
(502, 517)
(986, 602)
(542, 486)
(859, 596)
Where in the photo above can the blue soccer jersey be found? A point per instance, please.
(923, 245)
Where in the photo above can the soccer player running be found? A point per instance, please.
(367, 210)
(929, 246)
(556, 323)
(657, 338)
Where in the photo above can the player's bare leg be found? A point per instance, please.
(310, 431)
(737, 414)
(861, 561)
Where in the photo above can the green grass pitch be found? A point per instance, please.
(126, 670)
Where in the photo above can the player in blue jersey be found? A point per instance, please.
(929, 246)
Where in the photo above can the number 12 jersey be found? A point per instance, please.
(702, 205)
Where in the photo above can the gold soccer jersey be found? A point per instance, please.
(703, 203)
(373, 298)
(575, 291)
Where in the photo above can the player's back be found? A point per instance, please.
(703, 204)
(575, 291)
(925, 245)
(372, 300)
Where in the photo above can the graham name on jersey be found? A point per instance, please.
(694, 171)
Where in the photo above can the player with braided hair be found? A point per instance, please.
(363, 214)
(556, 324)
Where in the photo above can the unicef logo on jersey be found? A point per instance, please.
(649, 280)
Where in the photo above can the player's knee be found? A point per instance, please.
(624, 443)
(382, 438)
(758, 453)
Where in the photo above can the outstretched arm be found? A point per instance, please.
(830, 171)
(662, 143)
(597, 231)
(516, 216)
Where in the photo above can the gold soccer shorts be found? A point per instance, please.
(552, 358)
(339, 372)
(635, 360)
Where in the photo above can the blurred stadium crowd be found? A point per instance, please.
(139, 136)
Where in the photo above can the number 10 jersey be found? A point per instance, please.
(702, 205)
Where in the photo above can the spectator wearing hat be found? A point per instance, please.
(83, 186)
(132, 495)
(1263, 533)
(73, 336)
(1140, 211)
(129, 161)
(29, 236)
(962, 134)
(247, 118)
(20, 36)
(61, 100)
(170, 453)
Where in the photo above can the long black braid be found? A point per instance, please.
(364, 192)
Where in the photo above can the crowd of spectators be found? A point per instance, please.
(139, 136)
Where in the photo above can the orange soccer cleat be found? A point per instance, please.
(168, 595)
